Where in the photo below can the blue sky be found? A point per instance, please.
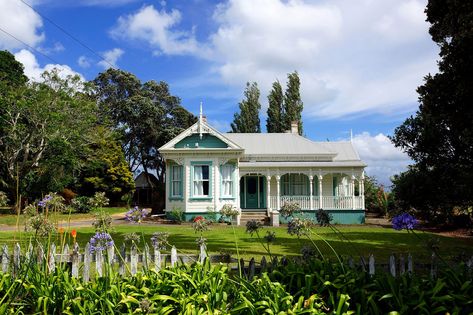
(359, 61)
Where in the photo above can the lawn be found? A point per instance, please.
(360, 240)
(11, 219)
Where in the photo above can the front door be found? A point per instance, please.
(252, 192)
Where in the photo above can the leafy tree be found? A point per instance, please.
(293, 105)
(247, 121)
(274, 122)
(439, 137)
(11, 71)
(145, 116)
(42, 132)
(104, 167)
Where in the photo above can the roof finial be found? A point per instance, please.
(200, 121)
(200, 115)
(351, 135)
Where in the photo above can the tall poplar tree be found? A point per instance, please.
(247, 121)
(292, 102)
(274, 122)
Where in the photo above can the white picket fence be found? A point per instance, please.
(129, 262)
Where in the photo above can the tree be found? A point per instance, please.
(11, 71)
(145, 116)
(274, 122)
(293, 105)
(104, 167)
(247, 121)
(42, 133)
(439, 137)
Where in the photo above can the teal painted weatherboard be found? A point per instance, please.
(207, 142)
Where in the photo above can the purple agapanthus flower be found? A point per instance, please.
(44, 202)
(136, 215)
(404, 221)
(100, 241)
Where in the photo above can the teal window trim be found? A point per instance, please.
(172, 195)
(233, 171)
(204, 197)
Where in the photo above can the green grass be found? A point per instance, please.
(363, 240)
(11, 219)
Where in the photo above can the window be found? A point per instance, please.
(201, 181)
(176, 181)
(294, 185)
(226, 172)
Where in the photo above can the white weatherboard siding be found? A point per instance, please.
(271, 156)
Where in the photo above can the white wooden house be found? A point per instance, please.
(206, 169)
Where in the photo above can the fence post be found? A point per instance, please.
(99, 262)
(65, 254)
(392, 265)
(52, 258)
(29, 253)
(402, 265)
(410, 264)
(133, 260)
(371, 269)
(284, 261)
(87, 261)
(5, 259)
(433, 266)
(203, 253)
(111, 255)
(242, 267)
(263, 264)
(251, 269)
(157, 258)
(173, 256)
(146, 257)
(40, 255)
(122, 261)
(363, 263)
(75, 261)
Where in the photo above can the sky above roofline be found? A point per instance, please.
(360, 62)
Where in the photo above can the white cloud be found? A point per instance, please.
(83, 62)
(156, 28)
(111, 57)
(383, 158)
(20, 21)
(353, 57)
(57, 47)
(34, 71)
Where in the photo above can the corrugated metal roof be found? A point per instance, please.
(345, 149)
(291, 144)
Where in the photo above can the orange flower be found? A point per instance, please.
(74, 234)
(61, 230)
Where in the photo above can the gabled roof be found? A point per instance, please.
(200, 127)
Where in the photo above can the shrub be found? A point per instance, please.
(177, 215)
(229, 212)
(81, 204)
(3, 199)
(288, 209)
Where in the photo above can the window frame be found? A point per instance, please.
(231, 181)
(195, 164)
